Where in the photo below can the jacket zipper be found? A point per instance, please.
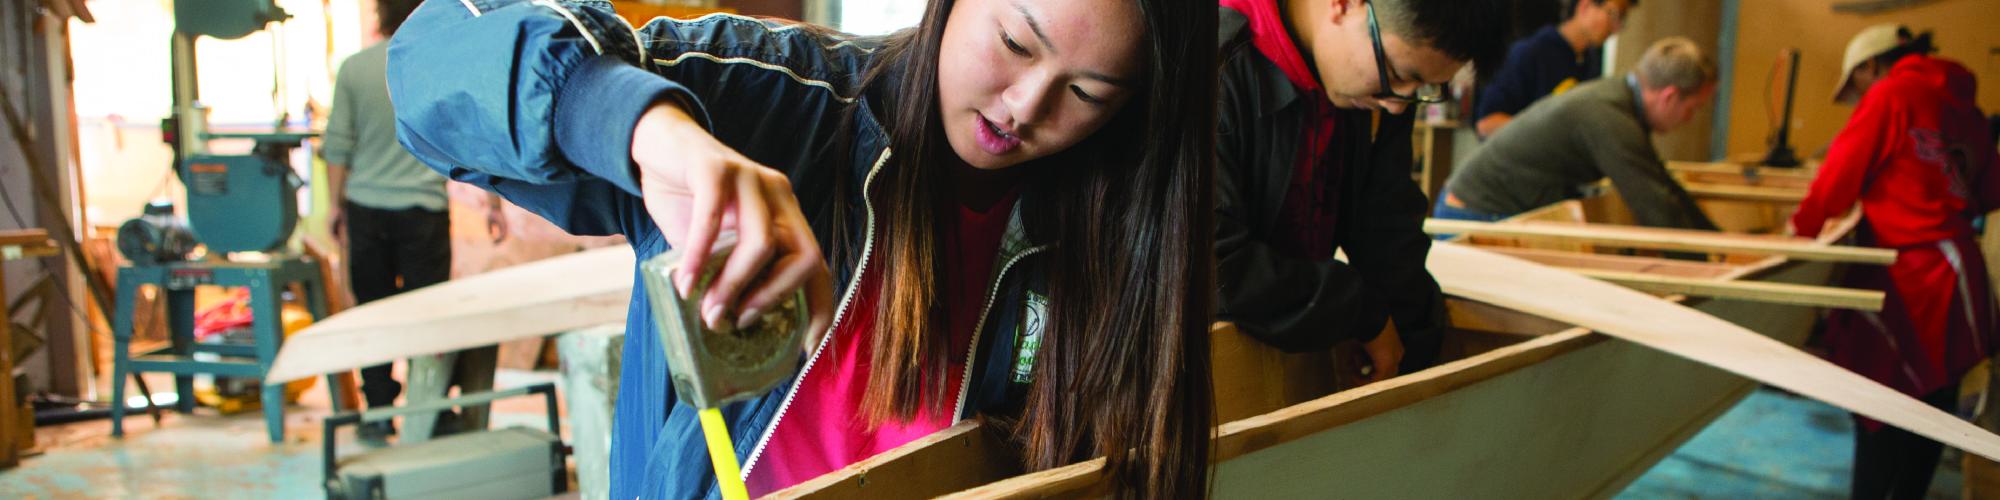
(993, 293)
(839, 313)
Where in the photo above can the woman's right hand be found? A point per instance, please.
(694, 187)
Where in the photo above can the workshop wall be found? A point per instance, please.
(33, 72)
(1964, 32)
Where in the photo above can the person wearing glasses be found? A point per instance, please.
(1551, 61)
(1565, 144)
(1314, 155)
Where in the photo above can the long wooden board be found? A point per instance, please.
(1667, 239)
(1756, 291)
(1793, 176)
(1745, 193)
(1640, 318)
(553, 295)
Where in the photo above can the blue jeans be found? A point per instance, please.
(1444, 211)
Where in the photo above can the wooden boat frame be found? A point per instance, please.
(1523, 397)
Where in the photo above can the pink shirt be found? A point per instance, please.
(822, 431)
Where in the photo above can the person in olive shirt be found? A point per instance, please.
(1602, 129)
(1551, 61)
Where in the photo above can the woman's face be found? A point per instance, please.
(1022, 79)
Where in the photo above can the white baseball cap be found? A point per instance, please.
(1870, 42)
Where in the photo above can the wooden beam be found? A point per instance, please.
(26, 243)
(1654, 266)
(1080, 480)
(24, 236)
(1745, 193)
(937, 464)
(1639, 318)
(1747, 171)
(549, 296)
(1252, 378)
(1775, 293)
(1666, 239)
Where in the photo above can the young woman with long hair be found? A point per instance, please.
(1011, 200)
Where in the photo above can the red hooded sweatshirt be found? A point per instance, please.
(1917, 154)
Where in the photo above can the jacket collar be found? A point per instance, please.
(1275, 42)
(1276, 86)
(1638, 97)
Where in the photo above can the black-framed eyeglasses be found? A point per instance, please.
(1426, 93)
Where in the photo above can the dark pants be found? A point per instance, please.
(391, 252)
(1894, 463)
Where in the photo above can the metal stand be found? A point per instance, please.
(177, 281)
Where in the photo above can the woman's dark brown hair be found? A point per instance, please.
(1123, 368)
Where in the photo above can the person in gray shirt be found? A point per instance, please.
(1602, 129)
(389, 209)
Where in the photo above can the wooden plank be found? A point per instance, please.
(1083, 479)
(1655, 266)
(1746, 171)
(1636, 317)
(937, 464)
(549, 296)
(1252, 378)
(25, 237)
(1667, 239)
(1746, 193)
(1800, 184)
(1775, 293)
(26, 244)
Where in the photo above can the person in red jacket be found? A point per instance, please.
(1917, 155)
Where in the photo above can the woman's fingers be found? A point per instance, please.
(798, 259)
(787, 274)
(755, 246)
(695, 187)
(704, 221)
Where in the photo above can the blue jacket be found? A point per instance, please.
(536, 100)
(1537, 66)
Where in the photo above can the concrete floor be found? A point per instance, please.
(1772, 445)
(207, 455)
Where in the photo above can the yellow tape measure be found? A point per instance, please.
(723, 454)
